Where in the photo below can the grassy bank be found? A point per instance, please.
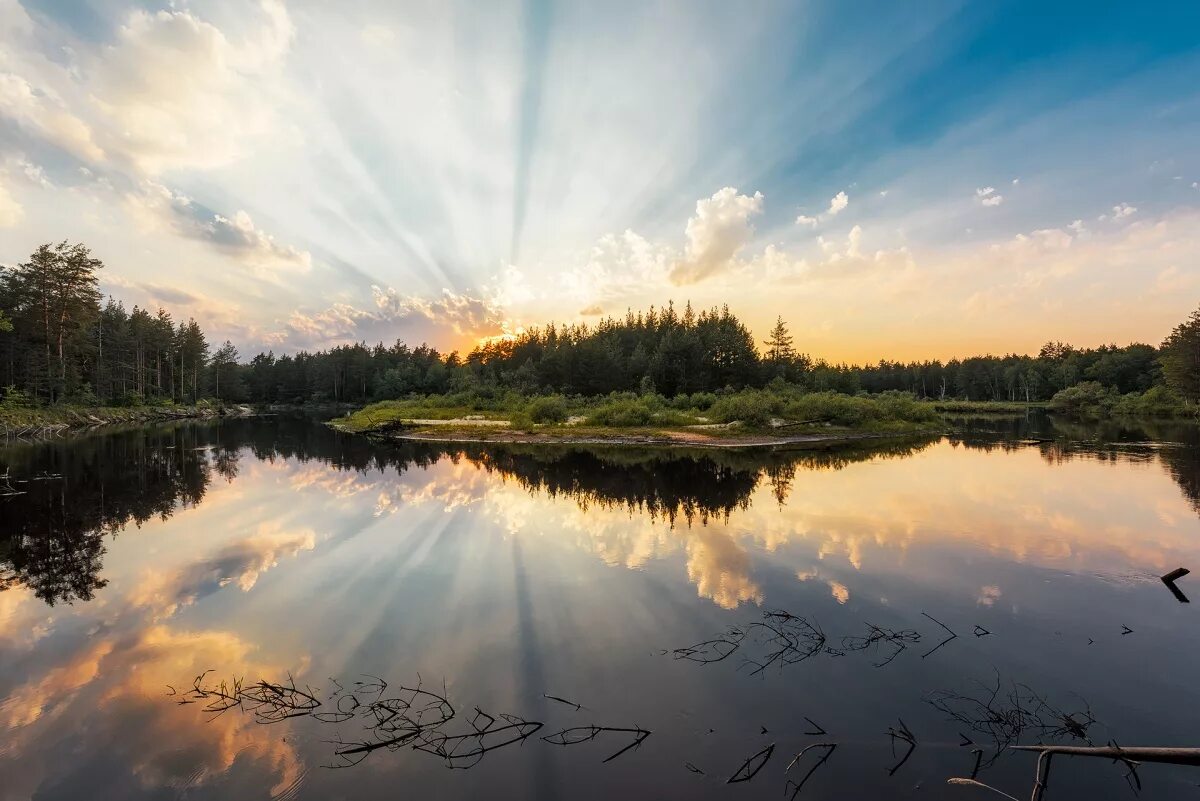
(17, 420)
(758, 415)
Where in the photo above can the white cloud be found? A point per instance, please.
(837, 204)
(40, 113)
(175, 92)
(236, 235)
(718, 230)
(988, 196)
(395, 315)
(1123, 210)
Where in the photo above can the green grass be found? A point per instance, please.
(984, 407)
(781, 411)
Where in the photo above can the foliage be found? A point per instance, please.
(1180, 358)
(549, 409)
(1092, 400)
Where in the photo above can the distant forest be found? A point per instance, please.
(60, 343)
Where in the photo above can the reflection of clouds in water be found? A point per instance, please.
(839, 591)
(23, 618)
(111, 693)
(1081, 515)
(988, 595)
(720, 568)
(237, 563)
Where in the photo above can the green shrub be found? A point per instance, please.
(622, 413)
(1086, 399)
(751, 407)
(14, 398)
(520, 421)
(549, 409)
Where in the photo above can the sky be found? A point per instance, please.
(894, 181)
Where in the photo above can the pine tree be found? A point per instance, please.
(779, 344)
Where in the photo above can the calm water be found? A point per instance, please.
(633, 584)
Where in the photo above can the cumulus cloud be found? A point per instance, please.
(591, 311)
(41, 114)
(236, 236)
(1120, 212)
(715, 233)
(170, 90)
(175, 91)
(837, 204)
(395, 315)
(616, 266)
(988, 196)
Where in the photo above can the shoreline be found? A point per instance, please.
(54, 422)
(645, 438)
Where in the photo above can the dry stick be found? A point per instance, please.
(819, 729)
(1170, 579)
(974, 783)
(578, 707)
(904, 735)
(582, 734)
(748, 769)
(953, 635)
(829, 749)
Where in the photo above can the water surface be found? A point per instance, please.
(630, 583)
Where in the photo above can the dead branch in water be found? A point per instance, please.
(949, 631)
(798, 786)
(790, 638)
(582, 734)
(905, 736)
(753, 764)
(898, 640)
(1004, 715)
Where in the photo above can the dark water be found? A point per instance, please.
(645, 587)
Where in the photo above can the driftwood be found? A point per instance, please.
(1131, 757)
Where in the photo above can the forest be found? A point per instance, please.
(62, 342)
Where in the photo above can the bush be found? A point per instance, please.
(520, 421)
(14, 399)
(549, 409)
(751, 407)
(1158, 401)
(1086, 399)
(623, 413)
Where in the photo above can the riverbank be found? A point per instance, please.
(636, 437)
(57, 420)
(748, 419)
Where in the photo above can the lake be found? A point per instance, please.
(266, 608)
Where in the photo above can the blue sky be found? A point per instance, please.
(893, 180)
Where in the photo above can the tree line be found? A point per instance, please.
(61, 342)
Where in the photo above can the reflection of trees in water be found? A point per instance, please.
(1175, 445)
(696, 485)
(75, 492)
